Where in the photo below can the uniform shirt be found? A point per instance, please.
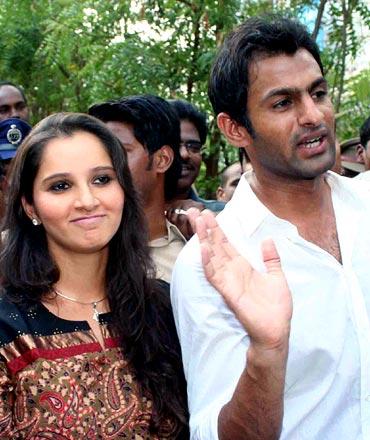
(164, 251)
(327, 389)
(213, 205)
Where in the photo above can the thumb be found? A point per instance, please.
(270, 256)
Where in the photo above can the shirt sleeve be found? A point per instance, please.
(213, 343)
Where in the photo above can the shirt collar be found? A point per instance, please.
(173, 232)
(246, 205)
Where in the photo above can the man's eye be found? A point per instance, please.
(102, 180)
(59, 186)
(319, 94)
(282, 103)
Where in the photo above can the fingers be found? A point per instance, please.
(179, 218)
(208, 266)
(270, 256)
(193, 214)
(217, 253)
(209, 230)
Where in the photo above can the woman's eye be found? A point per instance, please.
(102, 180)
(59, 186)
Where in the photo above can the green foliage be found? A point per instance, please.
(356, 105)
(68, 55)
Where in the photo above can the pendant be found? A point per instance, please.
(96, 313)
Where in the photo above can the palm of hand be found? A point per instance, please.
(261, 301)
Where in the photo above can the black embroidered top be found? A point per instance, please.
(56, 381)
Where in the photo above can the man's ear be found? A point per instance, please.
(163, 159)
(220, 194)
(235, 133)
(360, 153)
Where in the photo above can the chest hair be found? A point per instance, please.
(322, 231)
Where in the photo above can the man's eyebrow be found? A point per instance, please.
(280, 91)
(318, 82)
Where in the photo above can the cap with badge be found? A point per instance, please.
(12, 133)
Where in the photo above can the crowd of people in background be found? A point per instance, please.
(264, 339)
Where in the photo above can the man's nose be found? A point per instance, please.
(14, 113)
(310, 113)
(184, 153)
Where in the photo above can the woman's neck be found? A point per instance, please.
(82, 276)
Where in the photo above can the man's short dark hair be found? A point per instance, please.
(185, 110)
(268, 35)
(223, 174)
(365, 132)
(20, 90)
(154, 124)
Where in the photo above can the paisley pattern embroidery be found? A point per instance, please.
(88, 396)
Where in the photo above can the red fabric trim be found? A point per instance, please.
(30, 356)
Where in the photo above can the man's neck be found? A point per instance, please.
(154, 213)
(292, 199)
(183, 194)
(307, 204)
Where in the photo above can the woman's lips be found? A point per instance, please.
(91, 220)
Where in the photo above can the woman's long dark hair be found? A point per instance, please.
(141, 308)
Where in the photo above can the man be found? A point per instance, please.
(12, 134)
(230, 177)
(363, 150)
(270, 96)
(149, 131)
(13, 102)
(193, 128)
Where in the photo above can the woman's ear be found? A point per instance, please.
(29, 210)
(234, 132)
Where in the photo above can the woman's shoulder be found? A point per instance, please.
(9, 307)
(14, 318)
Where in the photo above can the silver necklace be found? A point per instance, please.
(90, 303)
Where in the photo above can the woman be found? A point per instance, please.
(87, 341)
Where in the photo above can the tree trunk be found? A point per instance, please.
(342, 71)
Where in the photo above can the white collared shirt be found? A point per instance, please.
(364, 176)
(327, 390)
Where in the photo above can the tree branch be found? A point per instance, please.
(320, 13)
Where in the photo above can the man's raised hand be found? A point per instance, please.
(261, 301)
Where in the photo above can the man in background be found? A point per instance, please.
(193, 129)
(12, 134)
(230, 177)
(149, 131)
(13, 102)
(363, 150)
